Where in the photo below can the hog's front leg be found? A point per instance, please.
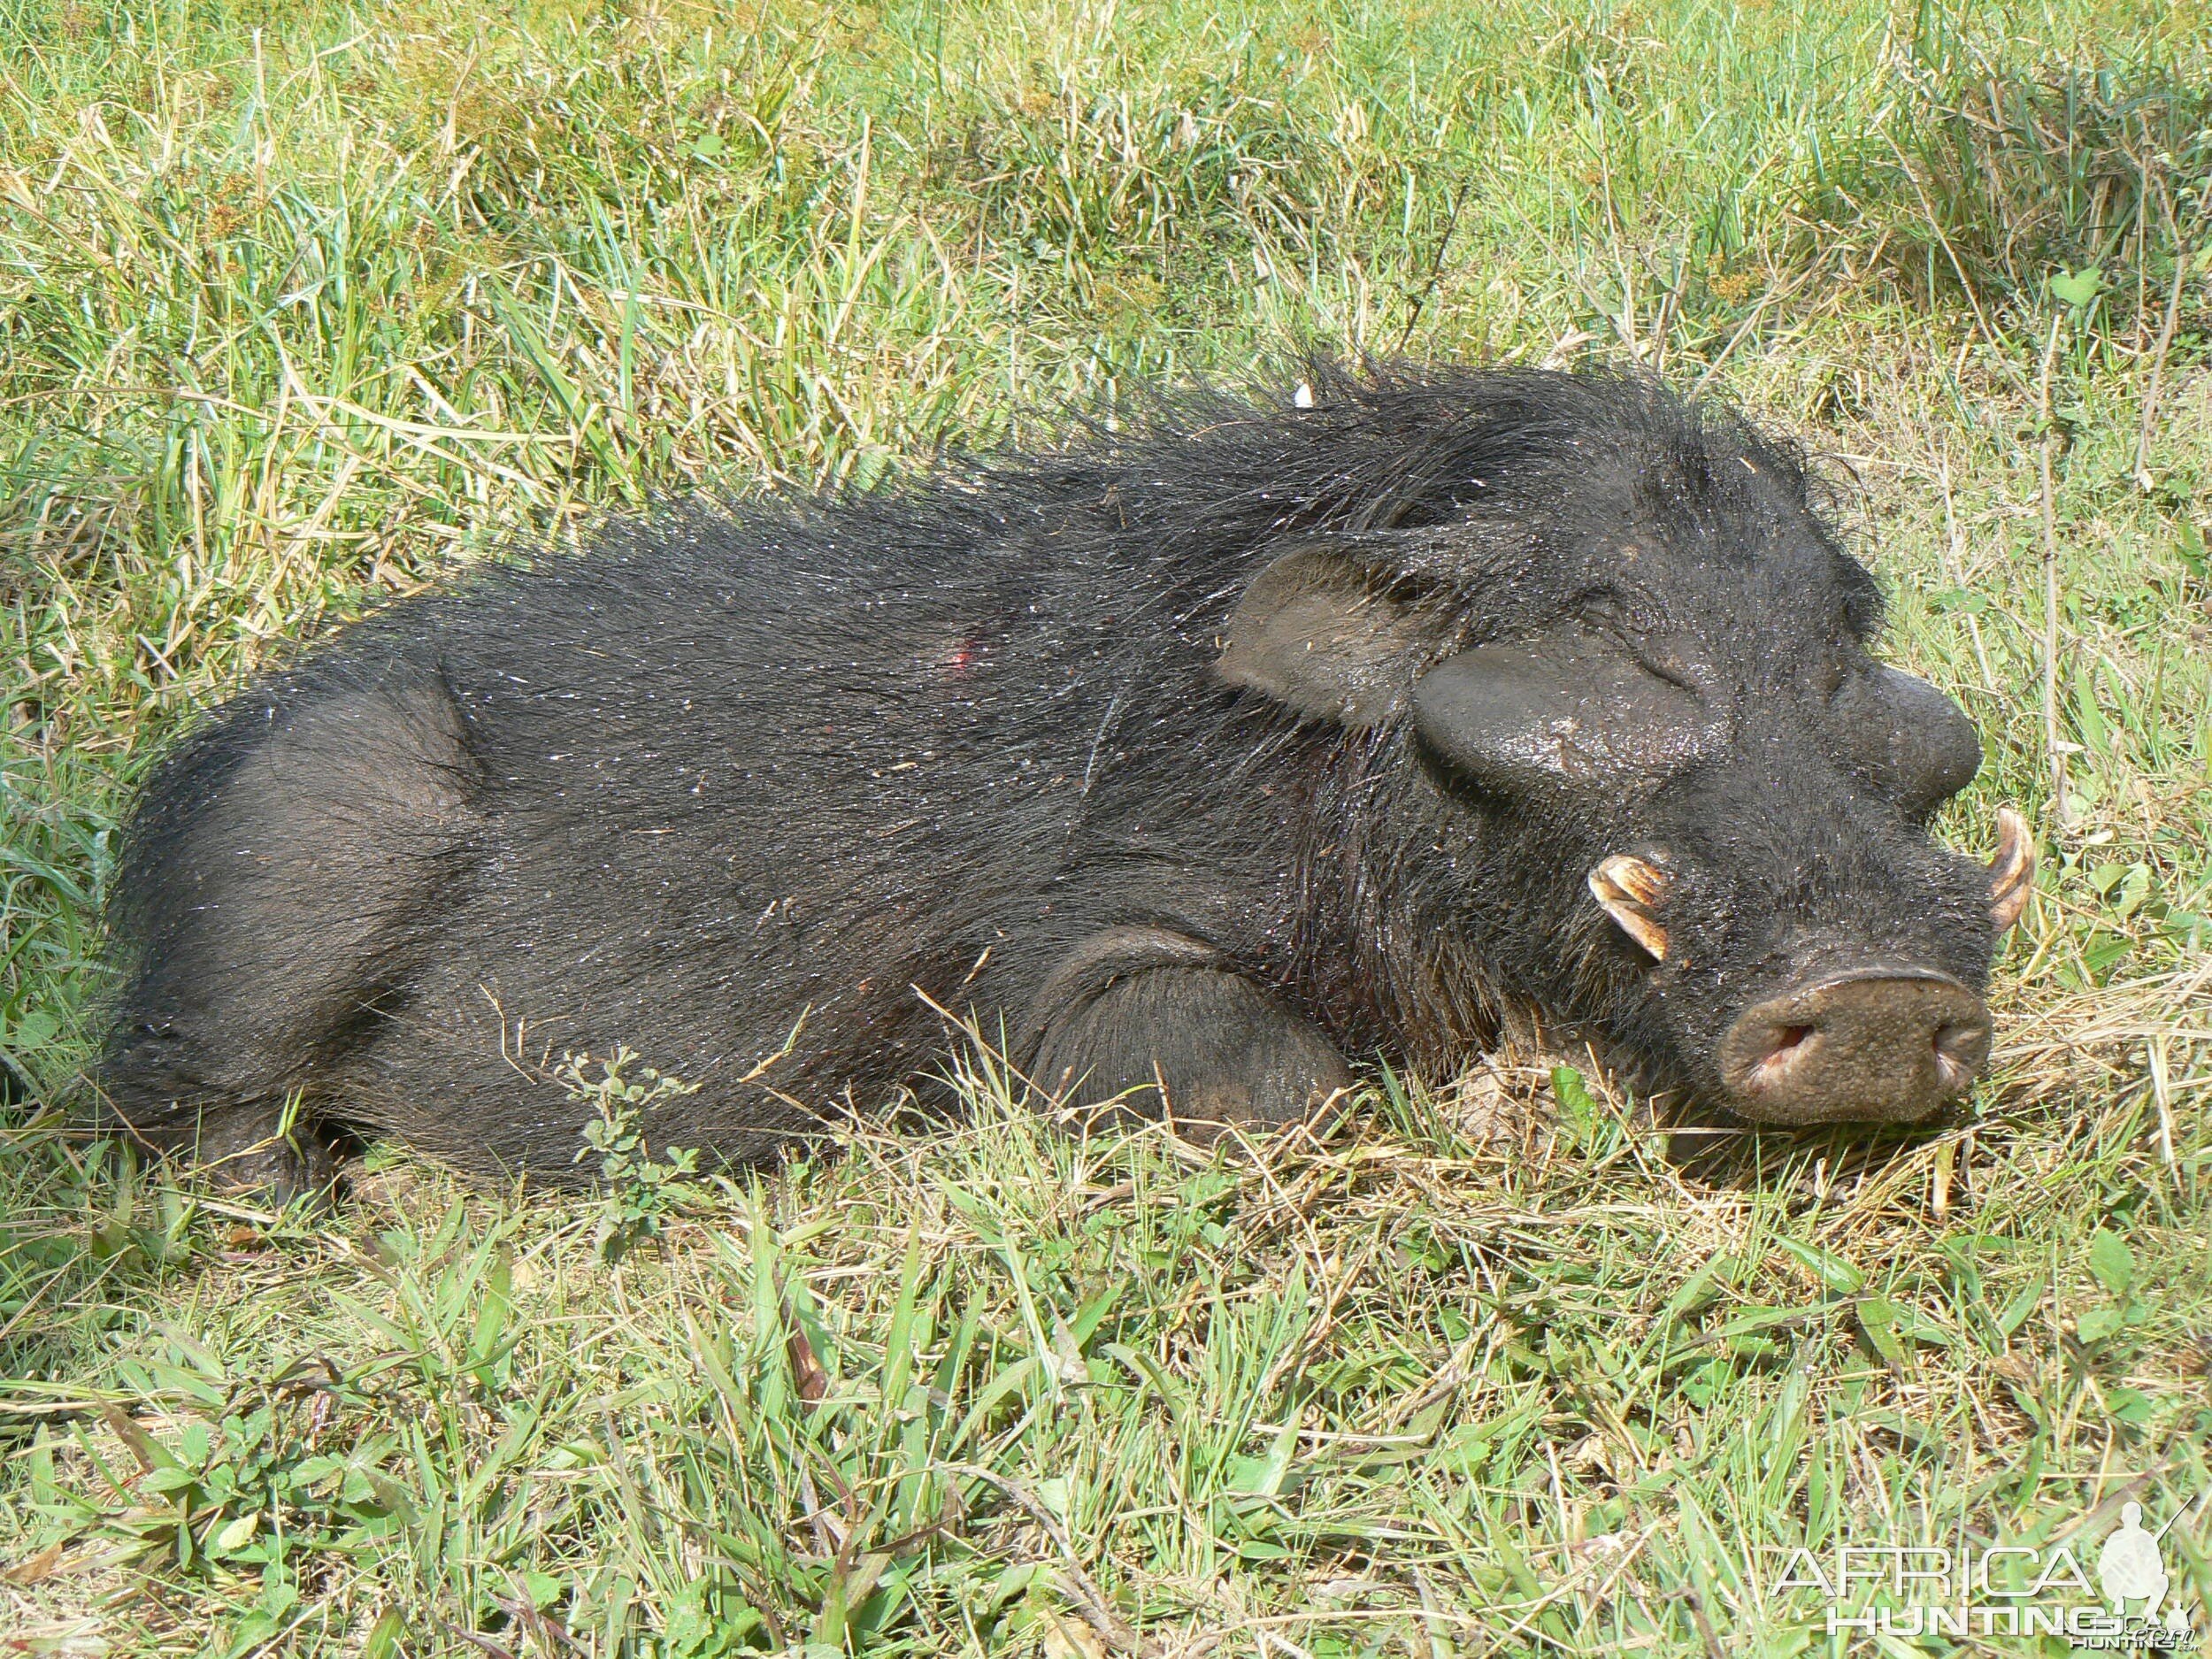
(1133, 1010)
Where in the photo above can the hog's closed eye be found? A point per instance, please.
(1905, 737)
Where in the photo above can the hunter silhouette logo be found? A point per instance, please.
(2130, 1568)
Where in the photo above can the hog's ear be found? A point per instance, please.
(1561, 708)
(1910, 740)
(1320, 635)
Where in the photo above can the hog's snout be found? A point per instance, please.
(1882, 1044)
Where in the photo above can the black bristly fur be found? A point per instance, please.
(729, 774)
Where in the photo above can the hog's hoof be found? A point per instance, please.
(252, 1156)
(1205, 1112)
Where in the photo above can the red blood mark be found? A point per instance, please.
(960, 660)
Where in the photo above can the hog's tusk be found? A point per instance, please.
(1630, 889)
(2012, 870)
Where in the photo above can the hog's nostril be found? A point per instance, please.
(1961, 1047)
(1787, 1040)
(1954, 1041)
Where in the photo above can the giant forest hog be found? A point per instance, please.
(1204, 760)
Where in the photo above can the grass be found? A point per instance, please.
(302, 304)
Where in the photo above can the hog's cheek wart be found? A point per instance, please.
(1907, 735)
(1560, 708)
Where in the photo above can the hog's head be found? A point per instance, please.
(1658, 778)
